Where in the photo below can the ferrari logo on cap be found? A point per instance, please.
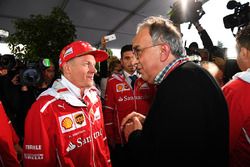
(68, 52)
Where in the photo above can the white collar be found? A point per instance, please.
(245, 75)
(127, 75)
(71, 87)
(66, 93)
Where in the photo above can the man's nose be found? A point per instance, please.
(92, 68)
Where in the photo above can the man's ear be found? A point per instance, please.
(245, 52)
(66, 68)
(165, 51)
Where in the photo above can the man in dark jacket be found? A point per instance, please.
(187, 124)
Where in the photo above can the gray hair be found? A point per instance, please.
(163, 31)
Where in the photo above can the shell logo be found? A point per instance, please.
(119, 88)
(67, 123)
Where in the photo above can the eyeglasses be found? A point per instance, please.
(138, 52)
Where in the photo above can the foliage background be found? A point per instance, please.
(42, 36)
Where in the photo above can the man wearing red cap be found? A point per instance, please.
(8, 138)
(64, 127)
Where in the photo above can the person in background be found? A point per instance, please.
(187, 124)
(114, 67)
(125, 92)
(231, 68)
(10, 96)
(9, 93)
(65, 127)
(205, 38)
(48, 73)
(104, 71)
(193, 48)
(8, 140)
(30, 93)
(214, 70)
(237, 93)
(216, 54)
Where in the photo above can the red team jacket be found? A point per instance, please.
(121, 99)
(8, 137)
(237, 93)
(61, 130)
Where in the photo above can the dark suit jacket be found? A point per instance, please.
(187, 124)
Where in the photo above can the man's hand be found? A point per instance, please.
(132, 122)
(103, 43)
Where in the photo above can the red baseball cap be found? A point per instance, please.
(80, 48)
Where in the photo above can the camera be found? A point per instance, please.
(32, 74)
(240, 17)
(7, 61)
(194, 8)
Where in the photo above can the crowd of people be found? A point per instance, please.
(153, 107)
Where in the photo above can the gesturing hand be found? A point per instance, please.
(132, 122)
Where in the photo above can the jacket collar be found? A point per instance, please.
(65, 90)
(245, 75)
